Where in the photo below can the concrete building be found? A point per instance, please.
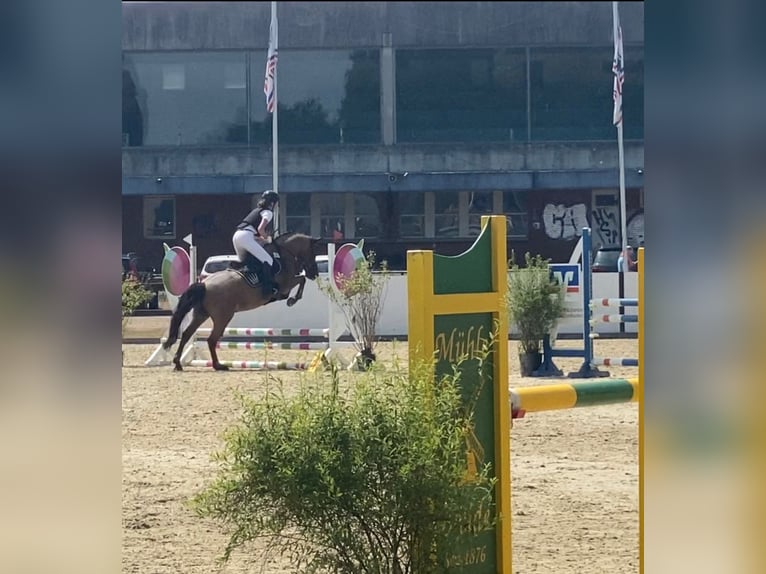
(399, 122)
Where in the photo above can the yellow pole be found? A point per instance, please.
(641, 404)
(420, 298)
(502, 407)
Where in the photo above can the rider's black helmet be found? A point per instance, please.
(270, 196)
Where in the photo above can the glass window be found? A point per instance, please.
(332, 215)
(571, 93)
(446, 213)
(461, 95)
(633, 93)
(412, 214)
(297, 208)
(515, 210)
(159, 217)
(479, 203)
(184, 98)
(367, 215)
(329, 96)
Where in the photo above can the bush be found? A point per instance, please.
(535, 302)
(134, 295)
(371, 482)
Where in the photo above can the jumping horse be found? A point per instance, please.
(227, 292)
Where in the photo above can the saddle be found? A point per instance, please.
(249, 275)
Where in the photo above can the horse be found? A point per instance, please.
(226, 292)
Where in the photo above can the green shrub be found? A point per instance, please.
(134, 294)
(371, 481)
(535, 301)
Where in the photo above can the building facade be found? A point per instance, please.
(399, 122)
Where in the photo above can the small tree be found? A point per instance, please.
(535, 301)
(361, 297)
(368, 483)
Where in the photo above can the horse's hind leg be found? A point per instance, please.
(199, 317)
(219, 325)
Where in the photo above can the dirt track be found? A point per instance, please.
(574, 473)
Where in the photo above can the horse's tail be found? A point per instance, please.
(191, 297)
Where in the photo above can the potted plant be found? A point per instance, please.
(535, 303)
(360, 298)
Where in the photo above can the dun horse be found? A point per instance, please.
(226, 292)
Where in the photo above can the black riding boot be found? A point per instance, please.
(251, 264)
(270, 287)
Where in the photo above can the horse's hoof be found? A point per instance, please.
(220, 367)
(178, 368)
(291, 301)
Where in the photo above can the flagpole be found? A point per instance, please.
(274, 123)
(623, 216)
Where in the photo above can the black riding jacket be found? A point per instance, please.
(254, 218)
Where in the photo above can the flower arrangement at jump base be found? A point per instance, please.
(359, 292)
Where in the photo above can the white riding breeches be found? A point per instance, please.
(245, 242)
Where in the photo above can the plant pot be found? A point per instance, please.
(529, 363)
(365, 359)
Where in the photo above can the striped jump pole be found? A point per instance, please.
(266, 345)
(614, 302)
(255, 365)
(614, 362)
(614, 318)
(567, 396)
(267, 332)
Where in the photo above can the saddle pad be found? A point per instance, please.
(250, 277)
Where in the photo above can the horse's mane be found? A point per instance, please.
(279, 239)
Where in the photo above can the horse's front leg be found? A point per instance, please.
(292, 300)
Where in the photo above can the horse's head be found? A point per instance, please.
(303, 249)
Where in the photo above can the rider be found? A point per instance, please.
(254, 230)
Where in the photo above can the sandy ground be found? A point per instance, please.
(574, 472)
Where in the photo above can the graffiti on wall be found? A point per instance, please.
(606, 226)
(565, 222)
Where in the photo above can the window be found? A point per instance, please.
(479, 203)
(332, 215)
(367, 215)
(461, 95)
(515, 210)
(234, 76)
(328, 96)
(173, 77)
(633, 93)
(184, 98)
(571, 93)
(447, 212)
(159, 217)
(297, 212)
(412, 219)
